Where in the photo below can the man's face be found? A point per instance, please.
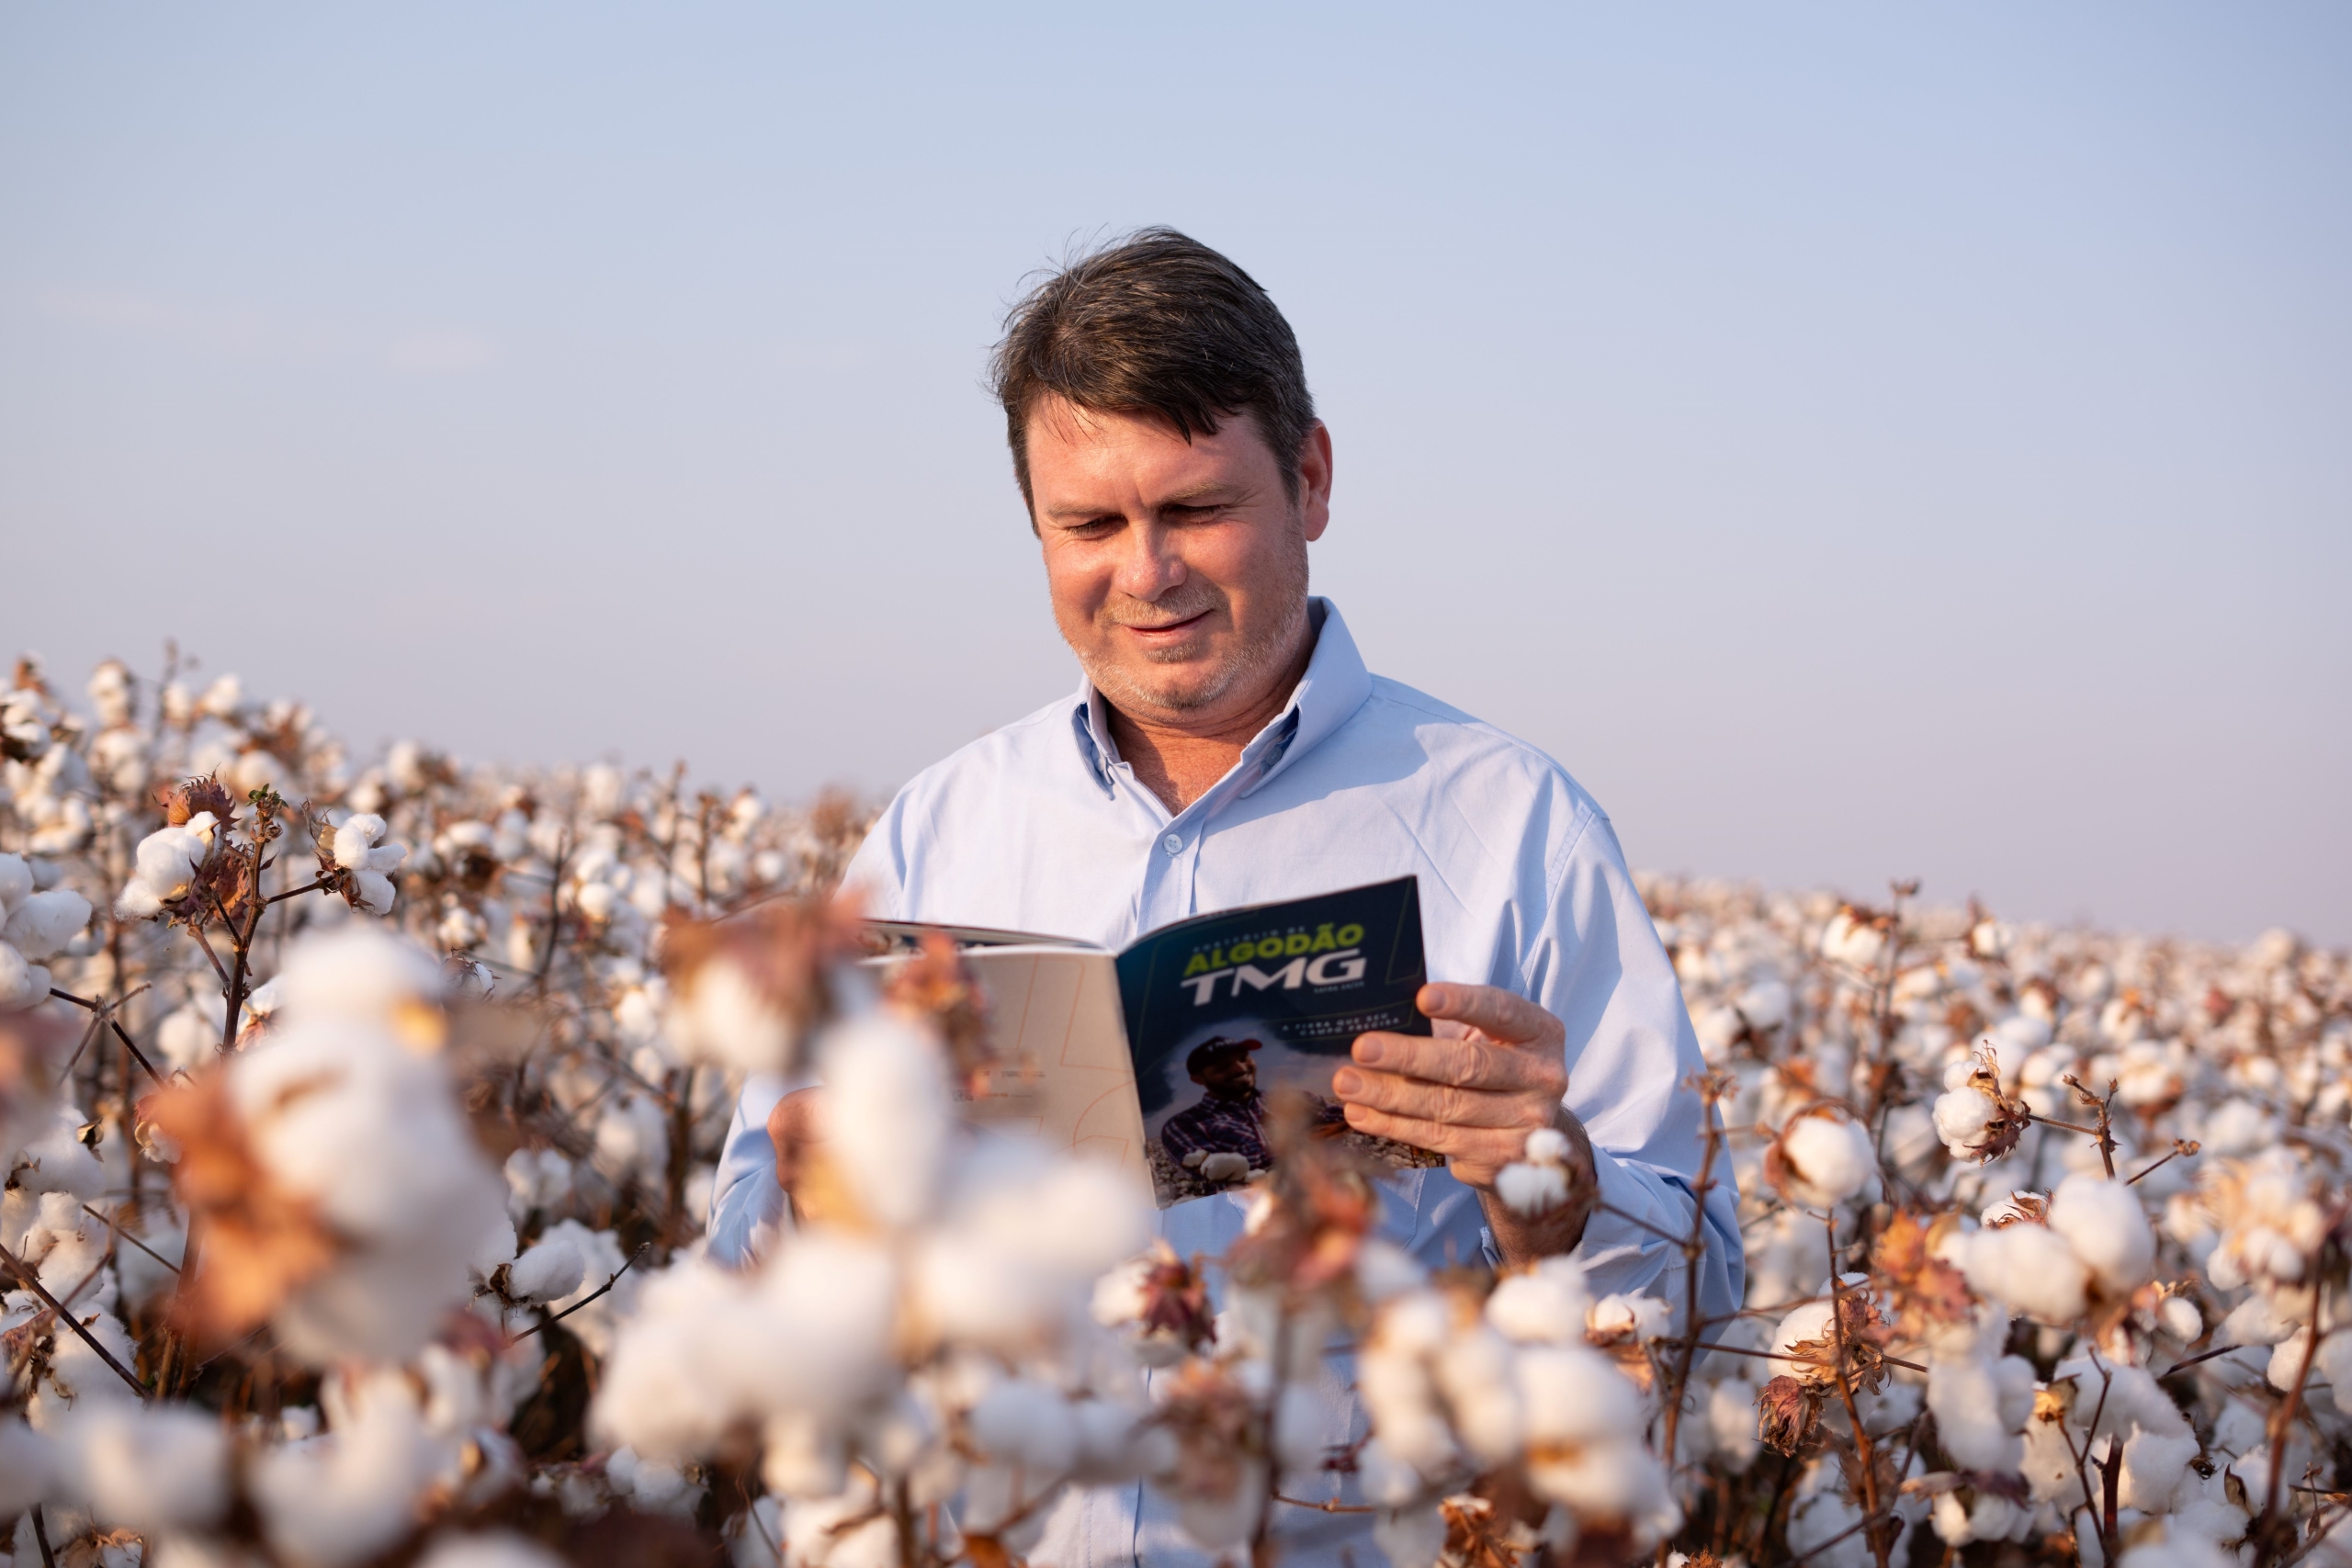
(1178, 569)
(1228, 1077)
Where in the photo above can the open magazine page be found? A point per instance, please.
(1227, 1010)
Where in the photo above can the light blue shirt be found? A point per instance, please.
(1040, 827)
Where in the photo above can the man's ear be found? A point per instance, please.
(1314, 480)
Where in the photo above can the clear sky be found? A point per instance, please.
(1860, 441)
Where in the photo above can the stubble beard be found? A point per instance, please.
(1184, 692)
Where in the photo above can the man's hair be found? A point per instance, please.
(1156, 324)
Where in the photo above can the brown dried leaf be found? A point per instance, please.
(1926, 1288)
(1479, 1534)
(936, 988)
(260, 1243)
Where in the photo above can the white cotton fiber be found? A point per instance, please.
(146, 1469)
(1532, 1189)
(45, 922)
(2030, 1270)
(1965, 1395)
(16, 882)
(21, 984)
(552, 1268)
(1023, 1422)
(1545, 1306)
(1962, 1116)
(346, 1499)
(496, 1550)
(888, 1122)
(356, 971)
(26, 1461)
(355, 839)
(2102, 1220)
(1831, 1158)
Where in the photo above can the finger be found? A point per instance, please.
(1476, 1153)
(1493, 1011)
(1465, 1063)
(1441, 1102)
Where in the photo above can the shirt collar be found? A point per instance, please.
(1326, 697)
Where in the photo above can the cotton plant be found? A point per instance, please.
(921, 1339)
(2046, 1243)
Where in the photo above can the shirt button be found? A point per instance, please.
(1173, 843)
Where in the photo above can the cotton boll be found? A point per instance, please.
(147, 1470)
(1808, 1323)
(1410, 1538)
(496, 1550)
(1547, 1306)
(830, 1303)
(1224, 1165)
(58, 1161)
(22, 985)
(889, 1121)
(1829, 1159)
(353, 1494)
(1963, 1116)
(844, 1531)
(2102, 1220)
(1474, 1371)
(1730, 1416)
(1642, 1319)
(1109, 1442)
(718, 1015)
(1532, 1189)
(16, 882)
(2180, 1318)
(1025, 1423)
(697, 1355)
(2154, 1465)
(28, 1462)
(2030, 1269)
(1965, 1395)
(355, 840)
(356, 971)
(2178, 1549)
(44, 922)
(1547, 1146)
(551, 1268)
(1765, 1004)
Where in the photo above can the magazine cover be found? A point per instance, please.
(1227, 1010)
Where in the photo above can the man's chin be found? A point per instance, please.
(1169, 690)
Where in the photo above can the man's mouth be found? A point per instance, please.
(1169, 629)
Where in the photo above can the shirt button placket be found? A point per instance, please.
(1173, 843)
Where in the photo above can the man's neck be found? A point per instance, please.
(1181, 762)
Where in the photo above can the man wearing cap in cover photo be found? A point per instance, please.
(1228, 746)
(1230, 1116)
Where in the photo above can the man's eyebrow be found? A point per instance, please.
(1208, 490)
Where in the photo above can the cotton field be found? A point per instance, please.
(359, 1116)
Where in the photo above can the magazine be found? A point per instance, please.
(1165, 1056)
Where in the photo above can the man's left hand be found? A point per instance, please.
(1495, 1070)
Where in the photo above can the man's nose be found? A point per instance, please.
(1150, 565)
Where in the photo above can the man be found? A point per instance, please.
(1230, 1116)
(1226, 748)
